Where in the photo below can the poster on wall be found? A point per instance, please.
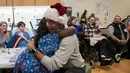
(102, 11)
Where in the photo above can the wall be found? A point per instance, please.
(115, 7)
(28, 2)
(26, 14)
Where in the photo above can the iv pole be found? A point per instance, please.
(13, 24)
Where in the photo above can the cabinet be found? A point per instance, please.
(2, 2)
(16, 2)
(51, 2)
(41, 2)
(28, 2)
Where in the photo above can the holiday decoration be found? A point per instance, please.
(83, 20)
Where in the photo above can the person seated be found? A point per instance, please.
(94, 38)
(79, 32)
(4, 37)
(98, 22)
(20, 38)
(125, 22)
(118, 35)
(28, 30)
(72, 22)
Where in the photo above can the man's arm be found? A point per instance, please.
(61, 56)
(67, 32)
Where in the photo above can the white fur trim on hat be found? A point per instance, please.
(52, 13)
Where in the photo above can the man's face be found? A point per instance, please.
(117, 19)
(52, 25)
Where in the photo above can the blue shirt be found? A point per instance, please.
(22, 42)
(27, 63)
(79, 28)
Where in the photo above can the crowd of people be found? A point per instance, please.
(55, 48)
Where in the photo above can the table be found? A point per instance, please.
(8, 57)
(6, 54)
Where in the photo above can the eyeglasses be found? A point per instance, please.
(51, 21)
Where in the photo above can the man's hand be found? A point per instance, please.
(123, 42)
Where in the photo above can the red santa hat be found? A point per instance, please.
(57, 13)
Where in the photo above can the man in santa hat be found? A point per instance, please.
(67, 58)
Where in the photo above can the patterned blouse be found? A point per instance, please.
(27, 63)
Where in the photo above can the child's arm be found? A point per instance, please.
(67, 32)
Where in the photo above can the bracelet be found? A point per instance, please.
(34, 50)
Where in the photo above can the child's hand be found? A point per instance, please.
(31, 45)
(21, 35)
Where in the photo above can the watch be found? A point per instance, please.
(34, 50)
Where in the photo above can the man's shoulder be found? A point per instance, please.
(110, 25)
(70, 41)
(71, 38)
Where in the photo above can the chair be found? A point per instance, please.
(82, 46)
(89, 53)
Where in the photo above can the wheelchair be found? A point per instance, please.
(82, 46)
(89, 54)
